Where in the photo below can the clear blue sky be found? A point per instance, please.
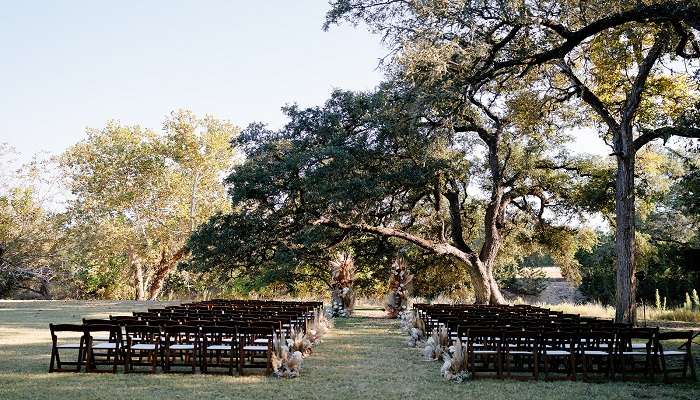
(68, 65)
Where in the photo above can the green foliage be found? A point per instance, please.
(137, 196)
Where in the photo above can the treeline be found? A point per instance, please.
(460, 161)
(134, 196)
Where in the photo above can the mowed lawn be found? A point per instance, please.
(363, 358)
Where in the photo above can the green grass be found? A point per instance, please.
(362, 358)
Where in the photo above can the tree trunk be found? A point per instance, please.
(165, 265)
(480, 281)
(139, 281)
(138, 275)
(625, 304)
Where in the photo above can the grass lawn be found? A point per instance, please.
(363, 358)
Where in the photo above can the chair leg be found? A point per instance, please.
(691, 361)
(53, 358)
(664, 369)
(536, 366)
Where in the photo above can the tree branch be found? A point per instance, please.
(665, 132)
(438, 248)
(634, 96)
(589, 97)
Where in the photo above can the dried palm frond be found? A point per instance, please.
(455, 366)
(397, 299)
(342, 279)
(437, 344)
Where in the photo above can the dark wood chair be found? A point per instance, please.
(252, 350)
(102, 346)
(180, 347)
(520, 349)
(219, 348)
(597, 352)
(637, 353)
(58, 344)
(142, 347)
(558, 353)
(673, 351)
(484, 352)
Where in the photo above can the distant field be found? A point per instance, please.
(363, 358)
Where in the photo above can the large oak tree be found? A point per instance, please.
(482, 42)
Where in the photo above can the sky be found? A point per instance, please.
(68, 65)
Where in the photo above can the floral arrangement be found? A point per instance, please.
(288, 355)
(413, 326)
(320, 325)
(298, 342)
(455, 367)
(284, 364)
(397, 299)
(342, 279)
(437, 344)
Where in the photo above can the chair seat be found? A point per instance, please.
(521, 352)
(262, 341)
(557, 353)
(105, 346)
(639, 345)
(485, 352)
(182, 347)
(143, 346)
(219, 347)
(69, 346)
(596, 353)
(255, 348)
(101, 338)
(674, 353)
(634, 353)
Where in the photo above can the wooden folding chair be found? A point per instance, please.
(58, 344)
(484, 352)
(520, 349)
(219, 348)
(142, 347)
(181, 347)
(99, 351)
(637, 353)
(557, 349)
(251, 348)
(597, 352)
(683, 352)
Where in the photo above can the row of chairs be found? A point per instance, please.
(231, 339)
(501, 340)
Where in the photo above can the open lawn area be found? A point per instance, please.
(364, 357)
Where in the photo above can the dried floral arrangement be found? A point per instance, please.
(288, 355)
(284, 364)
(437, 344)
(320, 325)
(455, 366)
(412, 325)
(342, 279)
(397, 299)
